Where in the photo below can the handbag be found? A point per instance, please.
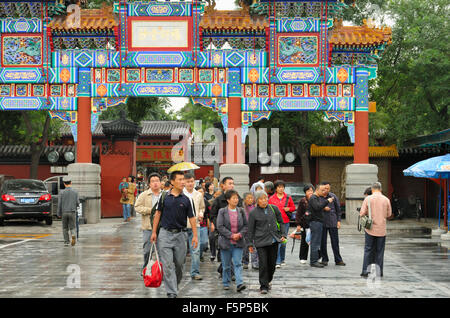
(365, 222)
(288, 213)
(153, 272)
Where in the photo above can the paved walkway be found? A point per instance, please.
(34, 263)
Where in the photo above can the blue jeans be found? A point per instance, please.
(195, 253)
(234, 253)
(126, 211)
(203, 239)
(282, 247)
(316, 240)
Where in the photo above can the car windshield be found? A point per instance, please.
(24, 186)
(296, 192)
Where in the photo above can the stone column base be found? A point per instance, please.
(86, 180)
(437, 232)
(358, 178)
(239, 173)
(446, 236)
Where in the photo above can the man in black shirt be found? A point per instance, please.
(171, 241)
(316, 204)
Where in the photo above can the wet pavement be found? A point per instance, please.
(108, 255)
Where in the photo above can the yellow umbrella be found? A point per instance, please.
(183, 166)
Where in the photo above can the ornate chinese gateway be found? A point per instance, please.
(270, 56)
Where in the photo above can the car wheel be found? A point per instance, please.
(49, 221)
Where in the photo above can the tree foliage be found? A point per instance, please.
(190, 113)
(138, 109)
(412, 91)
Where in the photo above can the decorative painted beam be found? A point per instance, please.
(300, 24)
(334, 75)
(21, 25)
(210, 58)
(159, 89)
(38, 103)
(160, 9)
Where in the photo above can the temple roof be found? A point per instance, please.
(365, 34)
(232, 19)
(93, 19)
(149, 128)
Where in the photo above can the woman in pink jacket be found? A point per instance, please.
(286, 206)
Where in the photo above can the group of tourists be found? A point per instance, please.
(248, 231)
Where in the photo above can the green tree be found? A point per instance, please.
(191, 113)
(412, 91)
(138, 109)
(34, 128)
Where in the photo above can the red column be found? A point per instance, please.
(84, 135)
(234, 134)
(361, 149)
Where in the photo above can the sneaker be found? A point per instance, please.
(319, 265)
(197, 277)
(202, 259)
(264, 291)
(212, 258)
(66, 243)
(240, 287)
(283, 263)
(278, 266)
(341, 263)
(324, 263)
(245, 266)
(303, 261)
(73, 240)
(171, 296)
(364, 275)
(226, 287)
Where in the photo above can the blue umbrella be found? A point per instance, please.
(437, 168)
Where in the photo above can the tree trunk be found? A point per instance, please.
(35, 156)
(302, 148)
(36, 147)
(306, 172)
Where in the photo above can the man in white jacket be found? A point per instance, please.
(199, 209)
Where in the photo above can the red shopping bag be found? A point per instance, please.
(153, 272)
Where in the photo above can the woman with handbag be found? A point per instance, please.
(265, 234)
(232, 227)
(286, 206)
(301, 219)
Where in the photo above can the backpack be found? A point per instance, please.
(152, 214)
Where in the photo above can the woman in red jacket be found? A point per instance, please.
(286, 206)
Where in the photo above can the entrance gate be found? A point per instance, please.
(271, 56)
